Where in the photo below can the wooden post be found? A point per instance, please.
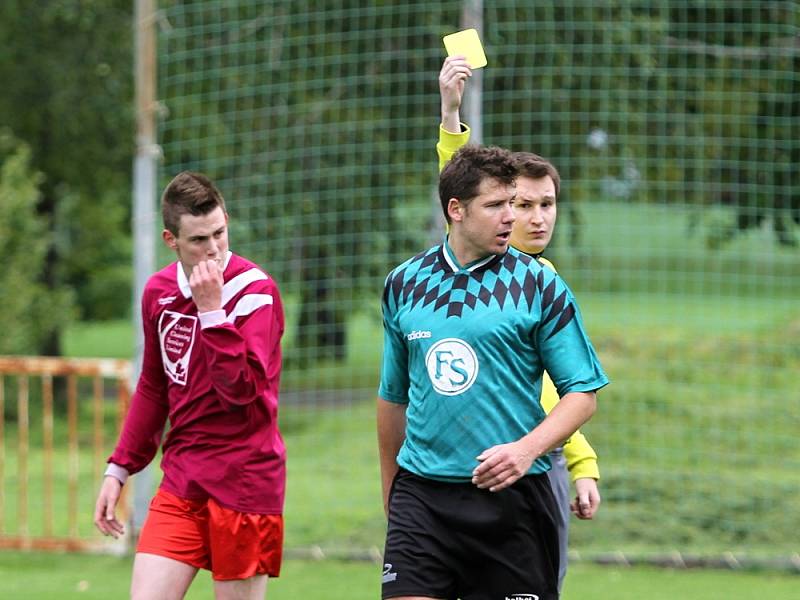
(72, 451)
(47, 458)
(51, 536)
(23, 426)
(97, 425)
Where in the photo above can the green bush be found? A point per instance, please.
(30, 310)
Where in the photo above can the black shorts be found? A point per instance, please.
(454, 540)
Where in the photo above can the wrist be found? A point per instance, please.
(119, 473)
(211, 318)
(451, 120)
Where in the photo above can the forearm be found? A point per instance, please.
(586, 468)
(572, 411)
(450, 142)
(144, 422)
(391, 422)
(141, 434)
(242, 354)
(452, 81)
(238, 371)
(581, 457)
(451, 120)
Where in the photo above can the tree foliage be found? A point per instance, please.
(70, 62)
(688, 103)
(30, 310)
(317, 119)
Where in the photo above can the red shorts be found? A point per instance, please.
(203, 534)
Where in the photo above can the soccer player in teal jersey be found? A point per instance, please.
(536, 211)
(469, 327)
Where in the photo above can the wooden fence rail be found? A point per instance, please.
(56, 425)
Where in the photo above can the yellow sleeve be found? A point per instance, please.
(579, 454)
(449, 143)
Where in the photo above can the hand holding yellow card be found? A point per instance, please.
(466, 43)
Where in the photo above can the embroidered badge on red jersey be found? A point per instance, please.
(176, 332)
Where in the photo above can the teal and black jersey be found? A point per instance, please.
(465, 348)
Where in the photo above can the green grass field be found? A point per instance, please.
(76, 577)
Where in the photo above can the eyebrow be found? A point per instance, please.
(195, 238)
(540, 198)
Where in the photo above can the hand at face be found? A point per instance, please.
(587, 499)
(501, 466)
(206, 283)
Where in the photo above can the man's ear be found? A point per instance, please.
(169, 239)
(455, 210)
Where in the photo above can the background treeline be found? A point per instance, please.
(66, 153)
(318, 119)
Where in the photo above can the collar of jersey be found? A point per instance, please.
(183, 281)
(449, 262)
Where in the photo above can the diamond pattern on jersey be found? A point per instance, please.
(508, 281)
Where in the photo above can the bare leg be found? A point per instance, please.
(252, 588)
(160, 578)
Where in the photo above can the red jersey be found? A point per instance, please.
(218, 385)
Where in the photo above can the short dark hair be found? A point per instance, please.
(188, 194)
(534, 166)
(462, 175)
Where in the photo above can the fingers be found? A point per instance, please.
(452, 78)
(498, 469)
(587, 499)
(454, 73)
(455, 67)
(495, 482)
(206, 284)
(205, 270)
(483, 456)
(104, 518)
(582, 510)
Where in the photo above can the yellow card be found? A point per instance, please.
(466, 43)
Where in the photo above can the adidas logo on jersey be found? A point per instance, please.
(416, 335)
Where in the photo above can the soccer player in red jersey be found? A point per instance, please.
(212, 323)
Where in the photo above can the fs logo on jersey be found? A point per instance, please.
(452, 366)
(176, 333)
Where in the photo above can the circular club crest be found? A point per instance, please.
(452, 366)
